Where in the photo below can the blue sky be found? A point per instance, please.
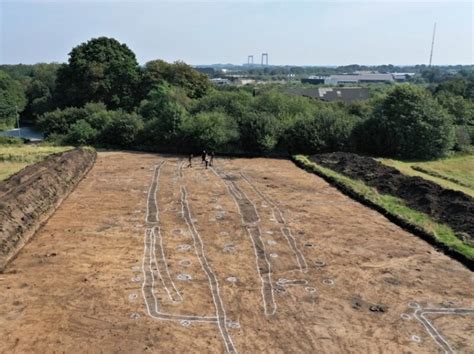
(226, 31)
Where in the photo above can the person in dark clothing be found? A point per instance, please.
(190, 158)
(203, 156)
(211, 160)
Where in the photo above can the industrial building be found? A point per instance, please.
(356, 79)
(331, 94)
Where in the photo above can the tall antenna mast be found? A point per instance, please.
(432, 43)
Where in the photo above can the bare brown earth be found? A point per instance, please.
(30, 196)
(274, 260)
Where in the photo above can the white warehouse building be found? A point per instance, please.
(356, 79)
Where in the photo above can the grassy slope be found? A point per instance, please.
(15, 157)
(395, 206)
(460, 168)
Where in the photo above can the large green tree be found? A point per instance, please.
(40, 89)
(12, 100)
(408, 123)
(100, 70)
(178, 74)
(209, 130)
(328, 130)
(163, 112)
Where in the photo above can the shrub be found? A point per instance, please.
(81, 133)
(209, 130)
(463, 137)
(260, 132)
(60, 121)
(122, 130)
(328, 130)
(12, 100)
(409, 124)
(10, 140)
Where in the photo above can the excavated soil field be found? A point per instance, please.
(453, 208)
(255, 255)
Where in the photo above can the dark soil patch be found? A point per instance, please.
(357, 303)
(30, 196)
(453, 208)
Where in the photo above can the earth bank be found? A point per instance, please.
(30, 196)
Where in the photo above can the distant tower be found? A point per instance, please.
(432, 43)
(265, 55)
(250, 60)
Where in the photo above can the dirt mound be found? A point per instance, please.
(29, 197)
(446, 206)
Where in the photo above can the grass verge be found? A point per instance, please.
(395, 209)
(455, 172)
(15, 157)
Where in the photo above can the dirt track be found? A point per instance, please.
(274, 260)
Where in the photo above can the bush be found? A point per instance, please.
(328, 130)
(12, 100)
(408, 124)
(55, 139)
(463, 137)
(461, 109)
(122, 130)
(209, 130)
(259, 132)
(157, 72)
(81, 133)
(10, 140)
(234, 104)
(60, 121)
(163, 114)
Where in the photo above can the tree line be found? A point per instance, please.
(103, 97)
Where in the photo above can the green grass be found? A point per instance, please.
(9, 168)
(455, 172)
(395, 206)
(459, 168)
(15, 157)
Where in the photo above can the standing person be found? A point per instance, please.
(190, 158)
(206, 160)
(212, 158)
(203, 156)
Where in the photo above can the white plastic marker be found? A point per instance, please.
(286, 230)
(250, 220)
(288, 282)
(420, 314)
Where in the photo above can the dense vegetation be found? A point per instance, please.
(103, 97)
